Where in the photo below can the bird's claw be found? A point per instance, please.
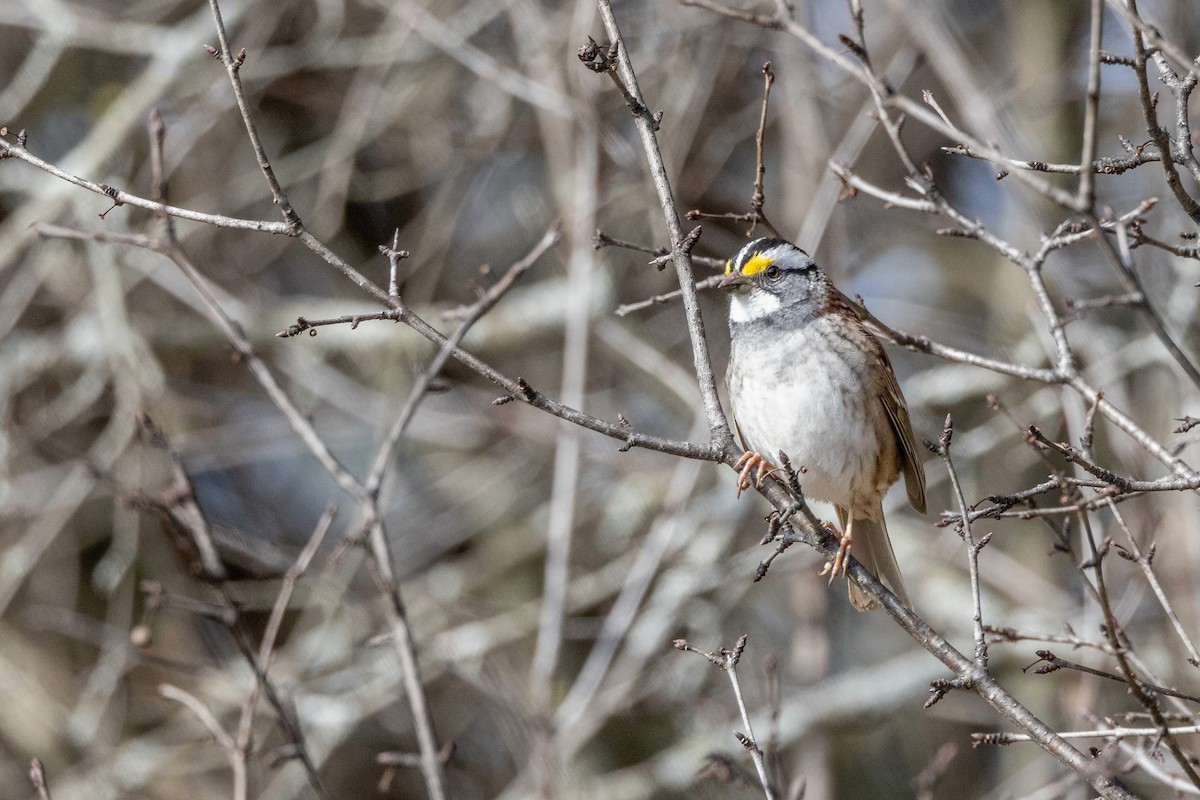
(838, 565)
(748, 463)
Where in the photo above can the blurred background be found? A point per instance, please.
(471, 127)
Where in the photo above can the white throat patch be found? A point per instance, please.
(753, 305)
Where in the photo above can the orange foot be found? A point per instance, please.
(838, 565)
(747, 464)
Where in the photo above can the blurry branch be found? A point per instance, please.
(383, 571)
(1144, 559)
(1150, 761)
(468, 316)
(186, 515)
(380, 557)
(236, 337)
(181, 511)
(771, 673)
(516, 389)
(640, 575)
(37, 776)
(393, 762)
(363, 495)
(727, 659)
(275, 621)
(666, 297)
(1121, 256)
(1086, 197)
(757, 199)
(934, 770)
(235, 754)
(1115, 732)
(942, 448)
(1144, 693)
(479, 62)
(863, 689)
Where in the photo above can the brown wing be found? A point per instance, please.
(897, 413)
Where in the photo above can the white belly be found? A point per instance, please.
(811, 404)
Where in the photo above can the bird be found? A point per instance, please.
(808, 379)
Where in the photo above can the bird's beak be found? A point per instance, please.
(733, 282)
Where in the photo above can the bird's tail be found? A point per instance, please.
(873, 549)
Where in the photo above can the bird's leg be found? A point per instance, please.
(747, 464)
(838, 565)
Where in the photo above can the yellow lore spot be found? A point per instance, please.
(756, 264)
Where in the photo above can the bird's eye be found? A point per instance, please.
(774, 273)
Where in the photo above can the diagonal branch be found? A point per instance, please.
(680, 252)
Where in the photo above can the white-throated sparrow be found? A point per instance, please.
(806, 377)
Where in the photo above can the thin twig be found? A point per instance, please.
(973, 547)
(12, 150)
(469, 316)
(37, 776)
(394, 256)
(1086, 198)
(681, 257)
(233, 65)
(1143, 560)
(1140, 690)
(727, 659)
(1054, 663)
(1142, 44)
(758, 199)
(1121, 256)
(1115, 732)
(275, 622)
(1109, 165)
(234, 754)
(659, 299)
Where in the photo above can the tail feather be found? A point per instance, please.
(873, 549)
